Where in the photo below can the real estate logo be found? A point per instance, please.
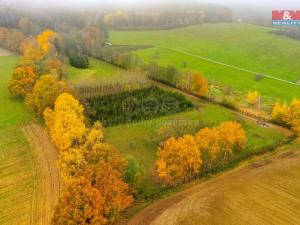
(286, 17)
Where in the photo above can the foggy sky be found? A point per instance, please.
(272, 4)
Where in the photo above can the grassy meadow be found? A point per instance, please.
(17, 164)
(141, 139)
(247, 46)
(98, 70)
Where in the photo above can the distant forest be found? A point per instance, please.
(84, 31)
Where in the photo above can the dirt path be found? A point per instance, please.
(48, 183)
(264, 192)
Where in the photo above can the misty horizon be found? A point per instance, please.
(269, 4)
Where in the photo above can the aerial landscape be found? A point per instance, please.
(149, 112)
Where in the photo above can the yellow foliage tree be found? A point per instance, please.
(288, 114)
(37, 49)
(280, 112)
(200, 85)
(45, 39)
(65, 122)
(293, 116)
(44, 93)
(253, 98)
(232, 136)
(22, 81)
(178, 160)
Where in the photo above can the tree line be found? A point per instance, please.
(182, 159)
(165, 17)
(99, 182)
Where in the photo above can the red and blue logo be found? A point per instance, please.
(286, 17)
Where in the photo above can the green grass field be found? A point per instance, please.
(12, 110)
(97, 70)
(247, 46)
(140, 139)
(17, 163)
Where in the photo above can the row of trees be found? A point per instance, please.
(191, 82)
(288, 114)
(93, 170)
(11, 39)
(165, 17)
(181, 159)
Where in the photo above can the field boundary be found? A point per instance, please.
(159, 212)
(49, 184)
(227, 65)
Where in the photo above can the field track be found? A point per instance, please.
(263, 192)
(46, 191)
(228, 65)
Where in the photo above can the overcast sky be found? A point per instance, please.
(273, 4)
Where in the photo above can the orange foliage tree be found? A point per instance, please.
(80, 203)
(178, 160)
(200, 85)
(115, 191)
(22, 81)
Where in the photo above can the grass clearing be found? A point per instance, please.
(97, 70)
(247, 46)
(12, 110)
(140, 139)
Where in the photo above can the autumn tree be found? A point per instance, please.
(253, 98)
(44, 93)
(14, 41)
(280, 112)
(37, 49)
(3, 35)
(25, 26)
(178, 160)
(81, 204)
(22, 81)
(217, 144)
(293, 115)
(91, 150)
(289, 115)
(65, 122)
(115, 191)
(72, 163)
(55, 67)
(200, 85)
